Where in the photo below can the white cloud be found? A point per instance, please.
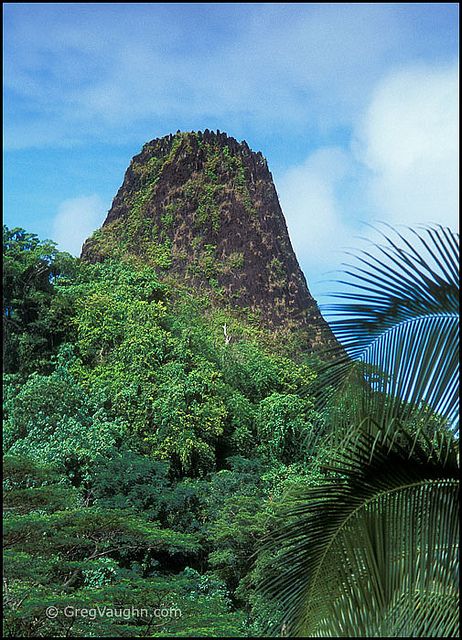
(76, 219)
(408, 139)
(309, 195)
(401, 169)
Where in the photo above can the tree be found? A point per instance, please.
(373, 550)
(32, 329)
(59, 552)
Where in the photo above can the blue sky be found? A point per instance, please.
(355, 107)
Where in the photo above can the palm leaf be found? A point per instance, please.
(373, 551)
(361, 555)
(398, 324)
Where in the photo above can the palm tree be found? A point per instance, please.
(373, 550)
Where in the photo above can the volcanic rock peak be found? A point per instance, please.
(203, 206)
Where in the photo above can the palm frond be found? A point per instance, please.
(374, 550)
(360, 555)
(398, 324)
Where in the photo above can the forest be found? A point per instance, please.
(171, 468)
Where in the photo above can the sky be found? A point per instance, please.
(355, 107)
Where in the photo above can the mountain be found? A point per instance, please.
(203, 208)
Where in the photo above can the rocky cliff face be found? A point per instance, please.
(203, 207)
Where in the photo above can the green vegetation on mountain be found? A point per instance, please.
(148, 433)
(164, 453)
(201, 208)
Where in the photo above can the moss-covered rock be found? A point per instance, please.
(202, 207)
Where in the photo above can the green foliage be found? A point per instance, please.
(372, 549)
(123, 479)
(399, 323)
(168, 216)
(52, 419)
(236, 260)
(208, 210)
(221, 169)
(150, 450)
(278, 274)
(188, 416)
(206, 263)
(145, 453)
(71, 554)
(283, 426)
(135, 238)
(376, 531)
(31, 269)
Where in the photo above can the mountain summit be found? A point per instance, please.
(203, 207)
